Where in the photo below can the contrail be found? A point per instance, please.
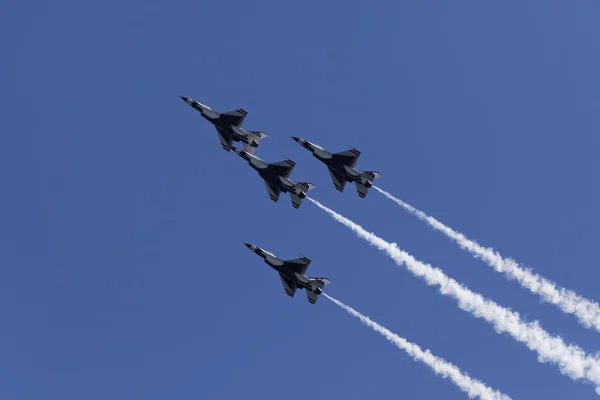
(586, 311)
(570, 359)
(472, 387)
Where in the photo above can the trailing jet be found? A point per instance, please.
(292, 273)
(341, 167)
(229, 126)
(276, 177)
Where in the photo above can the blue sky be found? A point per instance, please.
(123, 272)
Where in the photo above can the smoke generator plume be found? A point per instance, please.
(472, 387)
(586, 311)
(571, 360)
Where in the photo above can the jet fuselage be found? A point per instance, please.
(210, 115)
(350, 173)
(302, 282)
(284, 184)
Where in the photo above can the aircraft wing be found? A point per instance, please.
(321, 282)
(288, 285)
(299, 265)
(339, 180)
(235, 117)
(274, 191)
(282, 168)
(225, 139)
(348, 157)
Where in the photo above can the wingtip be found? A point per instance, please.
(288, 159)
(308, 260)
(354, 150)
(242, 109)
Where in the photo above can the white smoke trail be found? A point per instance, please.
(586, 311)
(472, 387)
(570, 359)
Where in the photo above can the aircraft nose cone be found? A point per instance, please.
(186, 99)
(297, 139)
(248, 245)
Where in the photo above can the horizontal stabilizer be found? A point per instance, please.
(321, 282)
(258, 134)
(362, 190)
(312, 296)
(370, 175)
(296, 200)
(249, 138)
(304, 187)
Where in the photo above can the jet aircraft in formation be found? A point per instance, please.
(341, 167)
(276, 176)
(292, 273)
(277, 179)
(229, 126)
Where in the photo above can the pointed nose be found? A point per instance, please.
(297, 139)
(186, 99)
(250, 246)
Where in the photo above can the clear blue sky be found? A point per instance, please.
(123, 271)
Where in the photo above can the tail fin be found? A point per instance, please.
(304, 187)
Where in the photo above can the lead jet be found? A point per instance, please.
(341, 167)
(292, 273)
(276, 177)
(228, 126)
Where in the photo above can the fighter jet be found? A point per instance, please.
(341, 167)
(276, 177)
(229, 126)
(292, 273)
